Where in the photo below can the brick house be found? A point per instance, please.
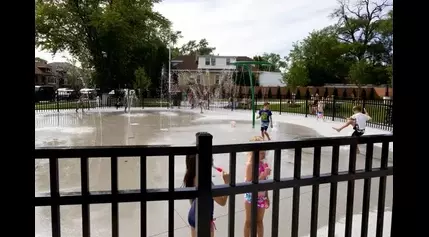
(43, 74)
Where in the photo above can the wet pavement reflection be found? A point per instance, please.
(169, 127)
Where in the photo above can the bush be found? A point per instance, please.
(270, 95)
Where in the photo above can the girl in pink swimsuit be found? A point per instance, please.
(263, 200)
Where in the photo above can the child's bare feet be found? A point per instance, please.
(337, 129)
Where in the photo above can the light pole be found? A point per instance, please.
(169, 76)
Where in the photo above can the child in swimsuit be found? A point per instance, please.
(190, 180)
(263, 200)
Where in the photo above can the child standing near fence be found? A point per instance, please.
(320, 108)
(263, 199)
(190, 180)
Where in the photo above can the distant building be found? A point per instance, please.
(60, 69)
(207, 69)
(43, 74)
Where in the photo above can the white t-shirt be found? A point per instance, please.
(361, 120)
(320, 106)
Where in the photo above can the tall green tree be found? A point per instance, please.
(358, 25)
(361, 43)
(193, 47)
(277, 63)
(141, 81)
(296, 76)
(112, 37)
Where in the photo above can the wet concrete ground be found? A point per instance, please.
(178, 128)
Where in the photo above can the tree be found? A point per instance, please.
(194, 48)
(75, 77)
(40, 60)
(141, 81)
(276, 62)
(112, 37)
(297, 75)
(359, 73)
(358, 22)
(362, 37)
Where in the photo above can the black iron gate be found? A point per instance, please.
(205, 150)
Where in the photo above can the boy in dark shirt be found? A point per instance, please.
(266, 120)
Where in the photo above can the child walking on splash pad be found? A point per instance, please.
(357, 121)
(266, 120)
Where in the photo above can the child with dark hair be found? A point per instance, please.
(190, 180)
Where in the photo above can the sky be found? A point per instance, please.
(241, 27)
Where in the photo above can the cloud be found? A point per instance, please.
(247, 27)
(242, 27)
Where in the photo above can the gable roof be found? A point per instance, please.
(185, 62)
(38, 68)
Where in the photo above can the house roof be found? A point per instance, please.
(187, 62)
(243, 58)
(38, 71)
(190, 62)
(38, 66)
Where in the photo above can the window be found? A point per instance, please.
(213, 61)
(228, 61)
(207, 61)
(217, 79)
(198, 79)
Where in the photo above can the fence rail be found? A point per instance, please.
(335, 109)
(205, 191)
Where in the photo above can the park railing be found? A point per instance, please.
(335, 109)
(205, 191)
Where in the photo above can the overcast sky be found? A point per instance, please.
(242, 27)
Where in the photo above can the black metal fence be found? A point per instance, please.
(205, 191)
(335, 109)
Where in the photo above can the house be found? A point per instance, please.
(205, 70)
(43, 74)
(60, 69)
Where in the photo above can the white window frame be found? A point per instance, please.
(213, 61)
(207, 61)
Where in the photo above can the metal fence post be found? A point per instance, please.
(306, 107)
(363, 102)
(280, 104)
(333, 108)
(204, 179)
(58, 103)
